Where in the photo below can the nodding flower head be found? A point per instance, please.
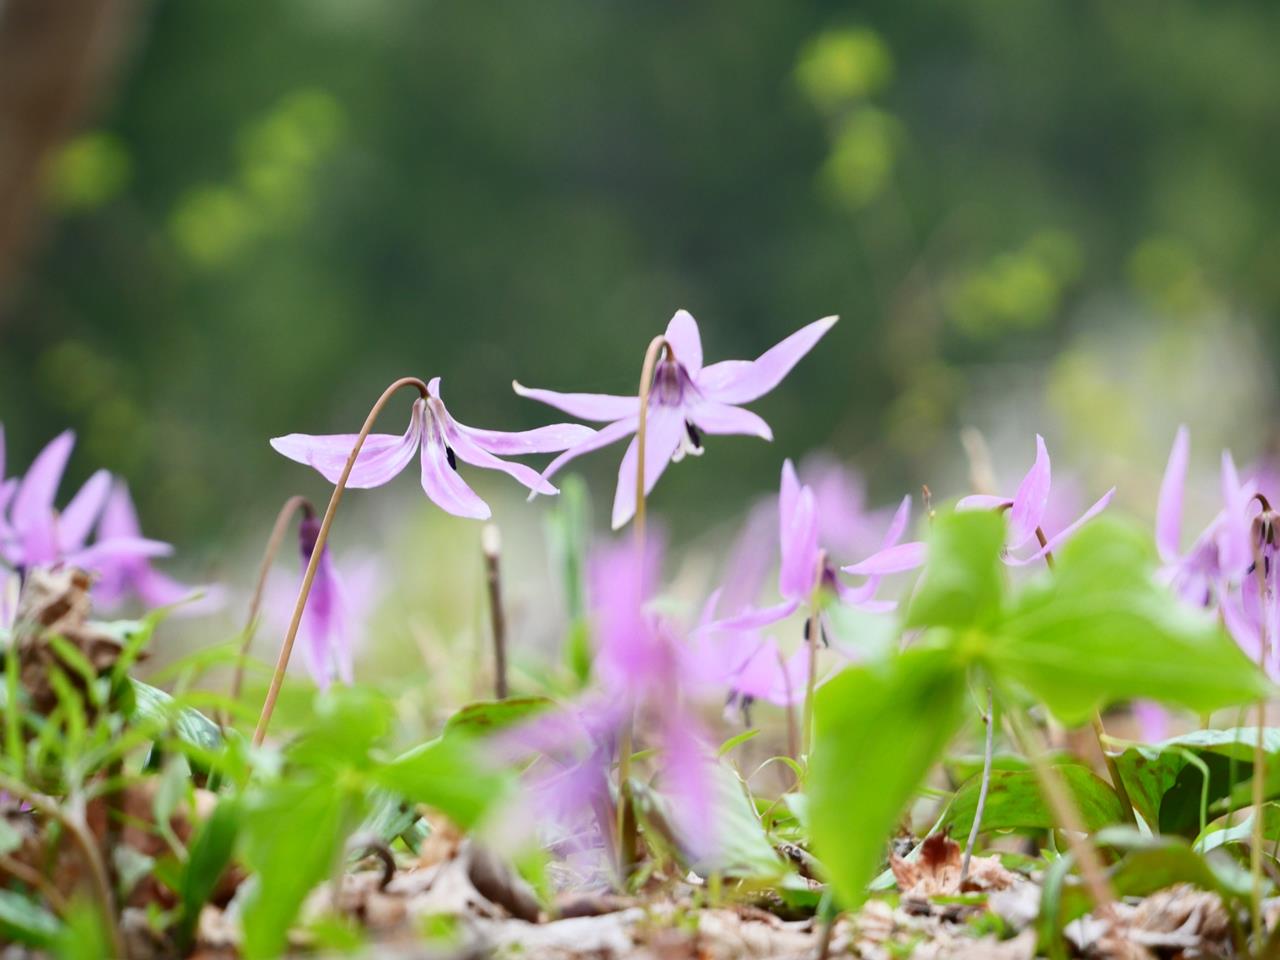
(441, 442)
(687, 402)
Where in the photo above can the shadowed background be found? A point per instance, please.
(1054, 218)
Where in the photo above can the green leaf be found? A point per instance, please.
(346, 723)
(293, 834)
(1100, 629)
(1166, 785)
(878, 730)
(743, 847)
(962, 583)
(208, 855)
(1014, 801)
(450, 774)
(154, 705)
(487, 716)
(22, 920)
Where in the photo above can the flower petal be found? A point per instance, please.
(32, 511)
(740, 381)
(664, 430)
(471, 452)
(798, 573)
(1031, 498)
(117, 549)
(588, 406)
(1169, 506)
(723, 418)
(686, 342)
(757, 618)
(602, 438)
(549, 439)
(1065, 533)
(442, 484)
(898, 525)
(75, 522)
(896, 559)
(1235, 542)
(983, 501)
(382, 456)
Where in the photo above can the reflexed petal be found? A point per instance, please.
(864, 597)
(799, 572)
(1064, 534)
(75, 522)
(605, 436)
(548, 439)
(896, 559)
(983, 501)
(39, 485)
(756, 619)
(685, 340)
(898, 525)
(7, 490)
(1030, 499)
(119, 516)
(664, 431)
(444, 487)
(471, 452)
(117, 549)
(740, 381)
(1169, 506)
(588, 406)
(1234, 540)
(788, 498)
(382, 456)
(723, 418)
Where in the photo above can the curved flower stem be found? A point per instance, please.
(989, 719)
(1063, 807)
(626, 825)
(286, 648)
(76, 828)
(278, 530)
(1099, 730)
(1259, 750)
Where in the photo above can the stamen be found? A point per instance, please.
(694, 436)
(453, 461)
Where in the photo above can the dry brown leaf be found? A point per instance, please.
(937, 871)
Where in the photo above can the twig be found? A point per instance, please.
(286, 648)
(987, 756)
(35, 879)
(278, 530)
(491, 546)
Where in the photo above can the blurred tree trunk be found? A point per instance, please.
(57, 61)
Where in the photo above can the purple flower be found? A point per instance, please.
(36, 533)
(686, 401)
(441, 442)
(326, 625)
(134, 575)
(1027, 510)
(807, 572)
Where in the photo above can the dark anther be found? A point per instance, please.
(453, 461)
(822, 632)
(694, 436)
(745, 705)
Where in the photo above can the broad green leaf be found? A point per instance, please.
(1099, 629)
(1166, 785)
(1014, 801)
(962, 582)
(487, 716)
(346, 723)
(208, 855)
(1223, 832)
(293, 833)
(153, 704)
(450, 774)
(878, 730)
(23, 920)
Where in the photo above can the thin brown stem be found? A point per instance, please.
(1259, 748)
(1062, 806)
(33, 878)
(814, 632)
(286, 648)
(491, 546)
(988, 755)
(1099, 729)
(278, 530)
(656, 347)
(73, 823)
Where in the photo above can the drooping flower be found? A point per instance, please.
(38, 534)
(326, 627)
(441, 442)
(134, 575)
(807, 573)
(686, 401)
(1027, 508)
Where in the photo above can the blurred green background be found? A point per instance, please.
(1053, 217)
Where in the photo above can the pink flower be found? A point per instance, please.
(687, 400)
(1027, 510)
(441, 441)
